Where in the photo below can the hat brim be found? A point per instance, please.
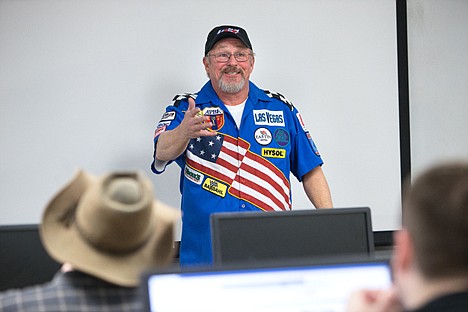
(64, 243)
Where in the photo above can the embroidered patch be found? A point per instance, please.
(216, 115)
(161, 128)
(263, 136)
(301, 121)
(264, 117)
(193, 175)
(311, 141)
(215, 187)
(274, 152)
(281, 137)
(168, 116)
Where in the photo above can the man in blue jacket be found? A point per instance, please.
(236, 145)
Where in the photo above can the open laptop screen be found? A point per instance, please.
(253, 236)
(290, 288)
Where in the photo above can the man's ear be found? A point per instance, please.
(403, 255)
(205, 62)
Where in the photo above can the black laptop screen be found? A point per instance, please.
(251, 236)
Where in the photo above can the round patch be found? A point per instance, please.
(216, 115)
(281, 137)
(263, 136)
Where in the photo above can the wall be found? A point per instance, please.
(438, 75)
(84, 83)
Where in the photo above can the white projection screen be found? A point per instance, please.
(84, 83)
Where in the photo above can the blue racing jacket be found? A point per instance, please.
(239, 169)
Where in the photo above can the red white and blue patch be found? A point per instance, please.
(301, 121)
(216, 116)
(161, 128)
(263, 136)
(314, 148)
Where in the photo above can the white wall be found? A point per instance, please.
(438, 75)
(83, 84)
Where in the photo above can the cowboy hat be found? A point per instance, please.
(110, 227)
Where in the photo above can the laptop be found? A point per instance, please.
(291, 287)
(259, 236)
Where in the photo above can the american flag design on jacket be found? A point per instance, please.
(250, 177)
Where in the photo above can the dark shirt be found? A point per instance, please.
(457, 302)
(72, 291)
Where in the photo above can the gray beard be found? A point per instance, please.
(231, 87)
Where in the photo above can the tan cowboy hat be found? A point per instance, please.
(109, 227)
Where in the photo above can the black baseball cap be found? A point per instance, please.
(226, 31)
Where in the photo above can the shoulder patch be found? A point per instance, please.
(184, 96)
(280, 97)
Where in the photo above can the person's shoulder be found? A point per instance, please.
(280, 97)
(15, 299)
(183, 97)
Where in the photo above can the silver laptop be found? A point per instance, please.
(307, 286)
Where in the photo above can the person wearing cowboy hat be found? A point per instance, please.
(106, 231)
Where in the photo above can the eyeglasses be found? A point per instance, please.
(223, 57)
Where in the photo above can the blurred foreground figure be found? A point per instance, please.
(430, 261)
(106, 231)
